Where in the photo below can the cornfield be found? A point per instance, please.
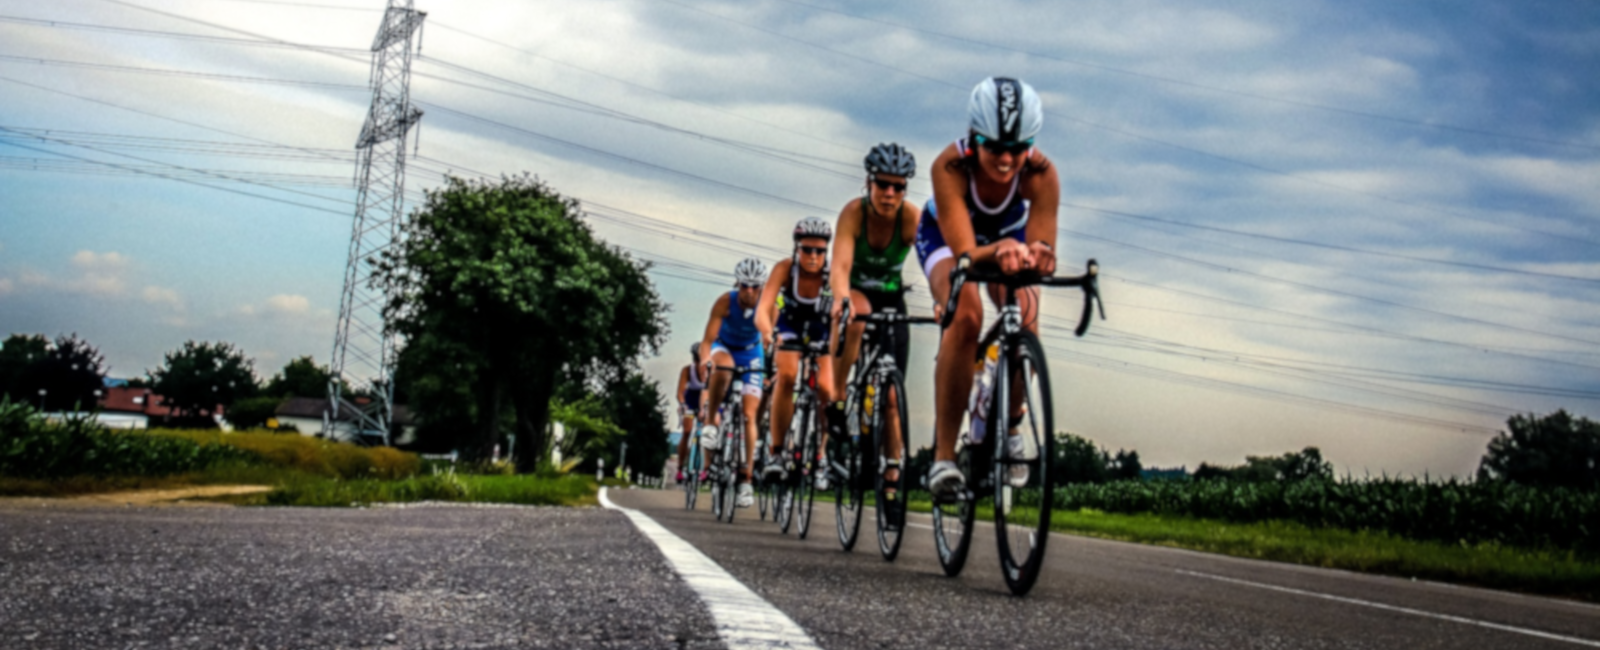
(1449, 510)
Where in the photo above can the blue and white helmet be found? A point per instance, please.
(1005, 110)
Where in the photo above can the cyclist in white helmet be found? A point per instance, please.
(797, 293)
(691, 383)
(994, 199)
(734, 338)
(874, 235)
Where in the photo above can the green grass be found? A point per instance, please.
(1545, 572)
(525, 489)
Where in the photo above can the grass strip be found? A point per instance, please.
(464, 488)
(1563, 574)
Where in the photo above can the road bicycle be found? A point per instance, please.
(797, 489)
(691, 474)
(1013, 481)
(727, 460)
(875, 413)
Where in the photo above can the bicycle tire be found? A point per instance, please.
(891, 514)
(848, 496)
(783, 508)
(952, 521)
(806, 491)
(732, 443)
(758, 481)
(1022, 509)
(691, 480)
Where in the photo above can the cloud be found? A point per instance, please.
(7, 286)
(279, 305)
(162, 296)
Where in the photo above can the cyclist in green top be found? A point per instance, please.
(870, 244)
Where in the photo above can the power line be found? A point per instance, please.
(1337, 292)
(1334, 247)
(1205, 87)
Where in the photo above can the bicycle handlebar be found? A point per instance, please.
(964, 272)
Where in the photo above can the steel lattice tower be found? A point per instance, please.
(363, 352)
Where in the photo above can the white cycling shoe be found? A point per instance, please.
(1017, 449)
(746, 497)
(709, 440)
(945, 480)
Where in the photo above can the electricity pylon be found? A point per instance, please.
(363, 350)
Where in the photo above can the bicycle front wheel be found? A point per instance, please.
(732, 462)
(889, 494)
(806, 491)
(1023, 485)
(847, 492)
(691, 478)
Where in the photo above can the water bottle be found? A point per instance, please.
(983, 380)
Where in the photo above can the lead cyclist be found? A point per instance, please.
(995, 197)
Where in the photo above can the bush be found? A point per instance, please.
(252, 413)
(32, 447)
(311, 455)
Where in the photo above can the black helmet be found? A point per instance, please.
(891, 159)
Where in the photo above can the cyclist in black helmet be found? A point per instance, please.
(870, 245)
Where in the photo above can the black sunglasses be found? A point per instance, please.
(889, 185)
(998, 148)
(750, 286)
(814, 250)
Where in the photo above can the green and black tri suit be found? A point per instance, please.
(876, 274)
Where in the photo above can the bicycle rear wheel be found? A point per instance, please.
(1023, 485)
(889, 495)
(848, 494)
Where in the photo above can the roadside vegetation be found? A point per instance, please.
(52, 458)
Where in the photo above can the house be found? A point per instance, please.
(122, 407)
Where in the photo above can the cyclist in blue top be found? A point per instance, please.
(691, 382)
(733, 339)
(994, 199)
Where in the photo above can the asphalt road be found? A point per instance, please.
(1099, 594)
(98, 576)
(95, 576)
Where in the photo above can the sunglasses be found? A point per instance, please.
(889, 186)
(998, 148)
(751, 287)
(814, 250)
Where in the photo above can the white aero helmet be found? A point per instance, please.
(1005, 110)
(750, 272)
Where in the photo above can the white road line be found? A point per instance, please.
(1393, 608)
(744, 620)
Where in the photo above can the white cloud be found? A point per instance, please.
(162, 296)
(289, 304)
(7, 286)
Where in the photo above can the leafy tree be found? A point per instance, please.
(1079, 460)
(70, 373)
(634, 404)
(506, 279)
(18, 355)
(1304, 465)
(197, 377)
(302, 377)
(590, 435)
(1554, 450)
(1126, 466)
(253, 412)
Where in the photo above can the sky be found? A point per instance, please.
(1369, 227)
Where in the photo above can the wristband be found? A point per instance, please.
(1047, 245)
